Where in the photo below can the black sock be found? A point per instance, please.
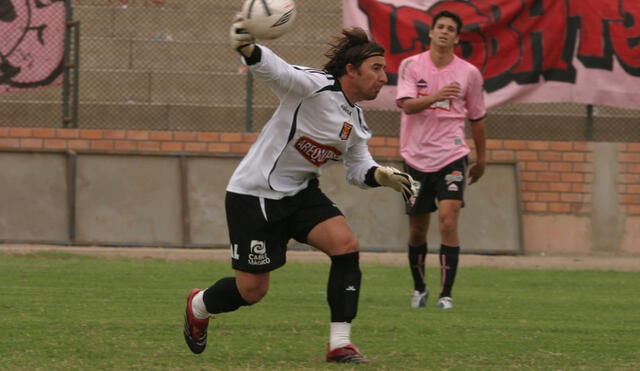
(448, 267)
(223, 296)
(417, 257)
(343, 288)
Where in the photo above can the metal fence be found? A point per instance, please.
(166, 65)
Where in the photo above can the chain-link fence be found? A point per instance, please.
(166, 65)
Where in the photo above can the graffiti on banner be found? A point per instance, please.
(582, 51)
(32, 44)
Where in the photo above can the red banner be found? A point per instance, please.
(31, 43)
(583, 51)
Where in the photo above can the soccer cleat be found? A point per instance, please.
(195, 330)
(419, 299)
(346, 354)
(445, 302)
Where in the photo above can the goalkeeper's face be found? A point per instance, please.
(370, 77)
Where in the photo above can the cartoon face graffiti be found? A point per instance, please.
(32, 43)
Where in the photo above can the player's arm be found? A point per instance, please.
(479, 138)
(281, 77)
(363, 171)
(418, 104)
(477, 112)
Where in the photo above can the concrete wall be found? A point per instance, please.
(569, 197)
(33, 197)
(179, 201)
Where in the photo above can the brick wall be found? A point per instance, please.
(629, 178)
(555, 177)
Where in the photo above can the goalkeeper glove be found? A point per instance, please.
(241, 40)
(396, 179)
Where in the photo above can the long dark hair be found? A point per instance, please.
(353, 47)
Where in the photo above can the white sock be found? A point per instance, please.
(340, 335)
(197, 306)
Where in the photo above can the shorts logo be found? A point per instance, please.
(316, 153)
(258, 247)
(452, 187)
(346, 131)
(234, 251)
(258, 253)
(455, 176)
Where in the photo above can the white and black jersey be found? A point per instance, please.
(313, 127)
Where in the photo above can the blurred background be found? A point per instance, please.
(166, 65)
(134, 144)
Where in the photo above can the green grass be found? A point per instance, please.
(68, 312)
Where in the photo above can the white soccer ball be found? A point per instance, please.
(268, 19)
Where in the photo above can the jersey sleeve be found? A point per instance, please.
(406, 87)
(475, 96)
(284, 79)
(357, 162)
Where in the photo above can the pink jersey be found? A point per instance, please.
(434, 137)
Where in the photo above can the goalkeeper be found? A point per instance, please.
(274, 193)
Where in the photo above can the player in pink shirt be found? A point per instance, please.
(436, 91)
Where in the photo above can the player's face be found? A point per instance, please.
(370, 78)
(444, 33)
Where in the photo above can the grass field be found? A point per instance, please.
(60, 311)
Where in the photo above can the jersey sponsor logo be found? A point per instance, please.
(444, 104)
(455, 176)
(346, 131)
(258, 253)
(316, 153)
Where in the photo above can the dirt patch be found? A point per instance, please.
(599, 262)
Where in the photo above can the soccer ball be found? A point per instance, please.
(268, 19)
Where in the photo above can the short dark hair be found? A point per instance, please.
(353, 47)
(447, 14)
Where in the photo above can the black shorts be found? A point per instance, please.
(445, 184)
(260, 228)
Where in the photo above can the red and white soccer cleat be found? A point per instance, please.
(346, 354)
(195, 330)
